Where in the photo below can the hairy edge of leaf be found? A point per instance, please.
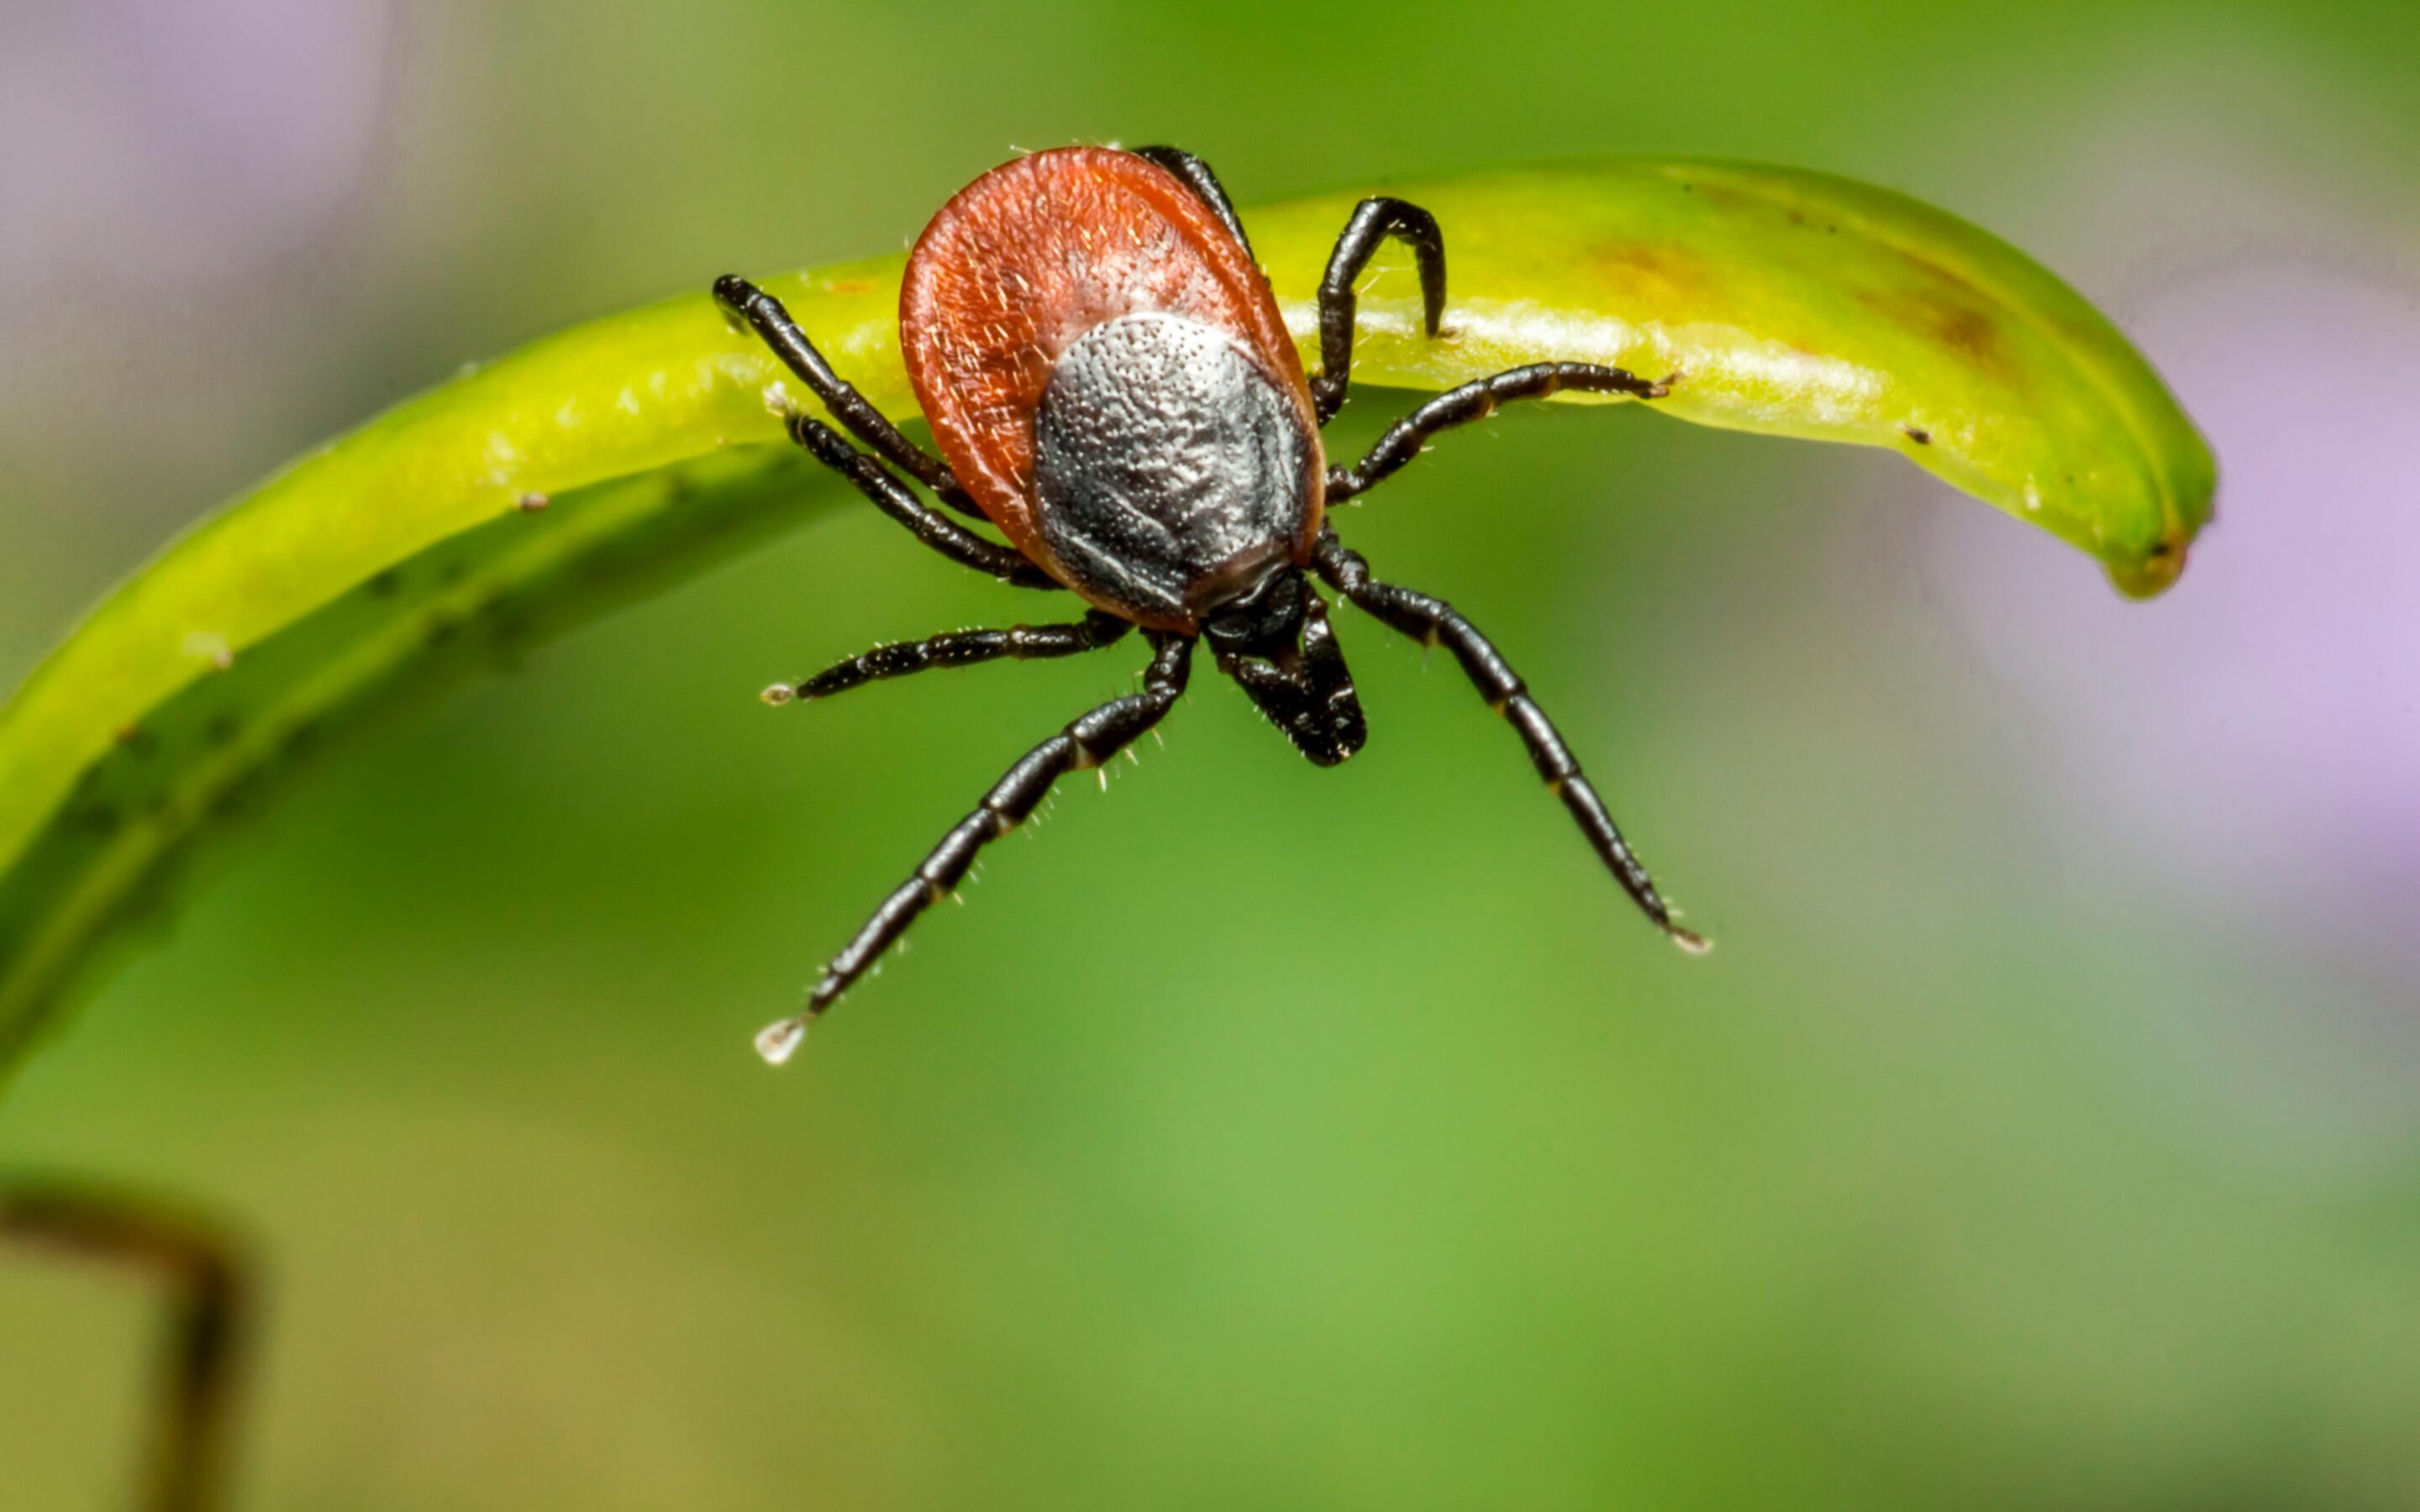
(487, 511)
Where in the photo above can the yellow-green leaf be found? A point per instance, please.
(533, 492)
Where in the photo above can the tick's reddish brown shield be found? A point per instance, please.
(1031, 257)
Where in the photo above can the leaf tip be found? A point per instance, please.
(2154, 573)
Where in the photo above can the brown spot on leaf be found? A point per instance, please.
(1944, 321)
(1970, 330)
(1918, 435)
(1657, 272)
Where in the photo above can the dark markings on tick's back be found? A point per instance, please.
(1113, 388)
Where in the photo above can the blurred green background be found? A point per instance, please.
(2043, 1133)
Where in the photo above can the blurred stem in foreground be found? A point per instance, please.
(203, 1270)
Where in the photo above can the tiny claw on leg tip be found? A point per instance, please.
(1690, 940)
(780, 1042)
(779, 694)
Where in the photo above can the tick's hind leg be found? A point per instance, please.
(1372, 221)
(1476, 400)
(1434, 622)
(205, 1345)
(765, 316)
(959, 648)
(1086, 743)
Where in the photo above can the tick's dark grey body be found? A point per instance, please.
(1170, 470)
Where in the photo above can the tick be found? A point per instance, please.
(1113, 389)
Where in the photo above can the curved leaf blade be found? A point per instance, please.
(1787, 302)
(1797, 303)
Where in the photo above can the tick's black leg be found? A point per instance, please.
(1198, 178)
(743, 301)
(1084, 744)
(205, 1348)
(894, 499)
(959, 648)
(1434, 622)
(1373, 220)
(1476, 400)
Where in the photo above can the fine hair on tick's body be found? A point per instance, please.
(1113, 390)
